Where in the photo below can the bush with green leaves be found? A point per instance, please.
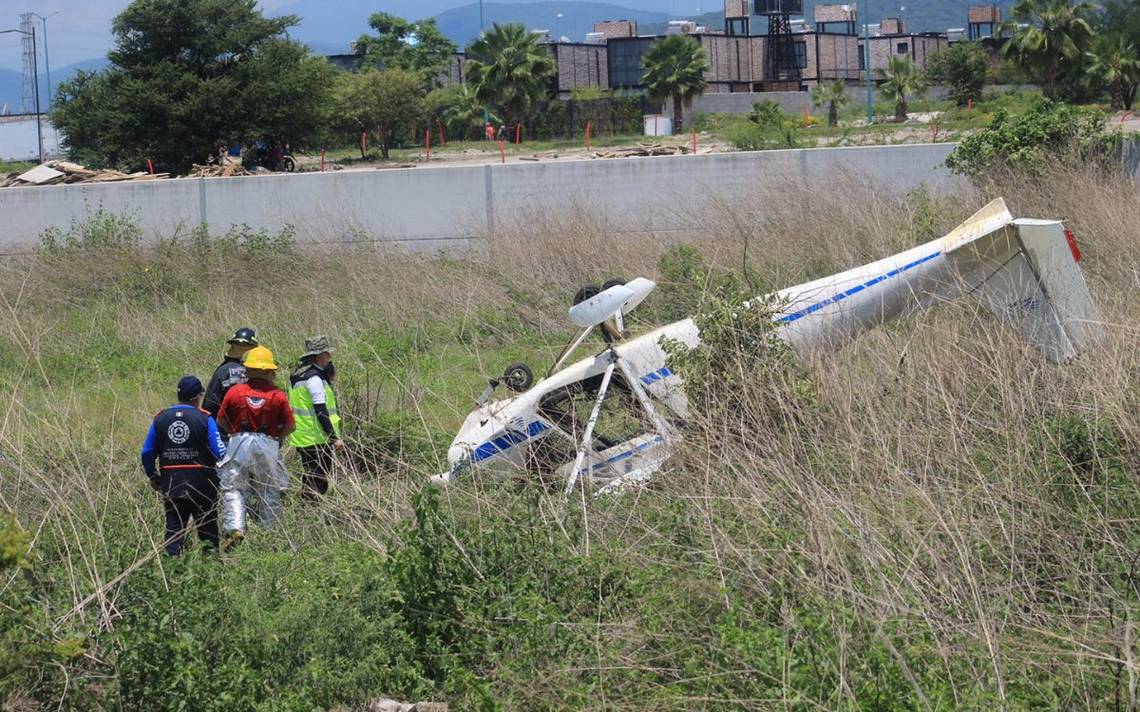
(962, 67)
(99, 230)
(1047, 131)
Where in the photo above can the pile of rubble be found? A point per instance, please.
(644, 150)
(215, 171)
(65, 172)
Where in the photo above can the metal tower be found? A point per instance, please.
(28, 45)
(783, 69)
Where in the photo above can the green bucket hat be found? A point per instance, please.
(316, 345)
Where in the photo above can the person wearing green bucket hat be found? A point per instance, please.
(317, 437)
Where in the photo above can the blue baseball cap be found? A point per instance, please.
(189, 388)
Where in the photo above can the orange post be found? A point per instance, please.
(503, 151)
(322, 160)
(694, 143)
(364, 141)
(589, 129)
(518, 134)
(150, 166)
(442, 135)
(970, 104)
(427, 143)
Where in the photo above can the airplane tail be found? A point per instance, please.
(1028, 274)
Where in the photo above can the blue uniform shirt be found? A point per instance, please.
(149, 452)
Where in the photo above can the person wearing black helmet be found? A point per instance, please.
(231, 372)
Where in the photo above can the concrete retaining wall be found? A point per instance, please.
(436, 207)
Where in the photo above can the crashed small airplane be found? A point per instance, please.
(612, 419)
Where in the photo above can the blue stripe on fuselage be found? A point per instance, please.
(812, 309)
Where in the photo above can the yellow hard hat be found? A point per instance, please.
(259, 359)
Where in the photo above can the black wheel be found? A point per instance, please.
(518, 377)
(616, 282)
(587, 291)
(288, 164)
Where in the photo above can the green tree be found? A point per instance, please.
(1114, 60)
(459, 110)
(962, 67)
(1049, 38)
(901, 81)
(388, 104)
(675, 68)
(833, 95)
(186, 75)
(1120, 17)
(510, 71)
(399, 44)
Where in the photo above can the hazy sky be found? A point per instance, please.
(81, 30)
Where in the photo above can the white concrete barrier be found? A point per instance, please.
(436, 206)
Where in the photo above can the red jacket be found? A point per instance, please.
(257, 407)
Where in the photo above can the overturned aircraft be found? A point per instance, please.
(611, 420)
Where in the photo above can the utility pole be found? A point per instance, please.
(36, 81)
(47, 60)
(867, 62)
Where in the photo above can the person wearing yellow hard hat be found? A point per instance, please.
(257, 416)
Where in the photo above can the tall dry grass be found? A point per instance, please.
(927, 488)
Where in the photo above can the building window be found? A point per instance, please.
(903, 48)
(862, 60)
(801, 55)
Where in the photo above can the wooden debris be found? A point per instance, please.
(215, 171)
(643, 150)
(67, 173)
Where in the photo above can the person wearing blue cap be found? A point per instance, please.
(180, 456)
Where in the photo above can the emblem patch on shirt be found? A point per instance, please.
(178, 432)
(255, 403)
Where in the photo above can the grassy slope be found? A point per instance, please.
(948, 521)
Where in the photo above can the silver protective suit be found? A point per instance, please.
(252, 468)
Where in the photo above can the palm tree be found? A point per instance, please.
(1114, 60)
(460, 111)
(510, 70)
(675, 68)
(900, 80)
(1048, 37)
(834, 96)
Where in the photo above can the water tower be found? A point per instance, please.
(783, 68)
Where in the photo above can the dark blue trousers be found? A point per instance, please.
(191, 505)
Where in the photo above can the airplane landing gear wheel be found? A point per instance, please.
(518, 377)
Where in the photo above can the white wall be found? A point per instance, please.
(18, 138)
(433, 207)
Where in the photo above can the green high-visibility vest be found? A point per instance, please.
(309, 431)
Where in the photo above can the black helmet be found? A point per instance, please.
(245, 335)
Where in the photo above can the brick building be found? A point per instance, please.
(920, 48)
(580, 66)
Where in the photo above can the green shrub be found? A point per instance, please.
(1046, 131)
(100, 229)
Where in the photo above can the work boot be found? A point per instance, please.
(232, 540)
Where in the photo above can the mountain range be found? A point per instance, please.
(328, 27)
